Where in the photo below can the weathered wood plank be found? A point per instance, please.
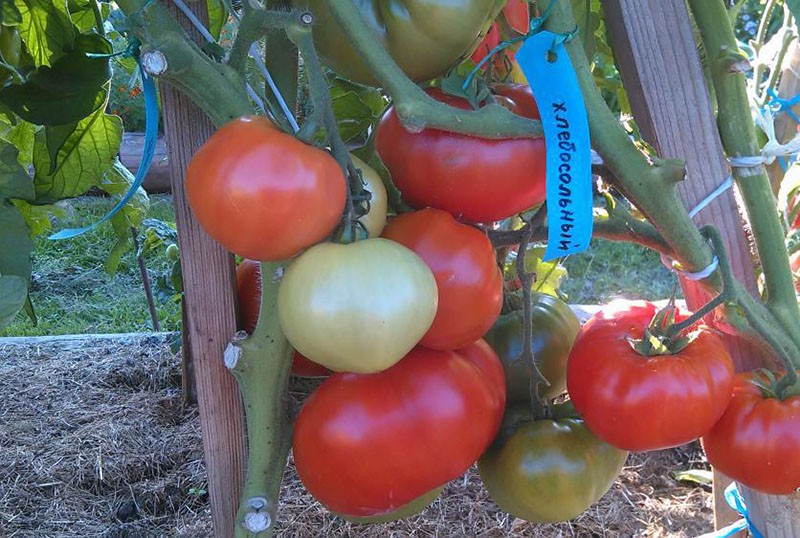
(208, 282)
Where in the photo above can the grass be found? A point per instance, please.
(72, 293)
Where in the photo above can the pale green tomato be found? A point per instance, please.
(375, 220)
(359, 307)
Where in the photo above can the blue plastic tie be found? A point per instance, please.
(150, 138)
(735, 501)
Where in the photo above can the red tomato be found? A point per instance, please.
(474, 179)
(794, 262)
(646, 403)
(463, 263)
(793, 207)
(248, 290)
(518, 15)
(757, 440)
(263, 194)
(367, 444)
(482, 355)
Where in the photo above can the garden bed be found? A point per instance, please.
(96, 442)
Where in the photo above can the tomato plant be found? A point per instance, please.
(474, 179)
(264, 194)
(555, 327)
(549, 470)
(357, 307)
(424, 37)
(757, 440)
(375, 219)
(462, 260)
(638, 402)
(365, 445)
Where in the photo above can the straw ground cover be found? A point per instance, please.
(95, 442)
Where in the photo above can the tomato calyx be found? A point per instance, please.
(779, 386)
(660, 336)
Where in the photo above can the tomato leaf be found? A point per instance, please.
(82, 13)
(83, 159)
(45, 29)
(70, 90)
(356, 108)
(10, 14)
(794, 8)
(56, 136)
(21, 137)
(217, 16)
(15, 242)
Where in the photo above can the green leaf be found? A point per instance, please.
(217, 16)
(82, 14)
(45, 29)
(56, 136)
(10, 14)
(588, 19)
(547, 275)
(70, 90)
(21, 136)
(30, 310)
(13, 293)
(83, 159)
(698, 476)
(38, 217)
(14, 181)
(356, 108)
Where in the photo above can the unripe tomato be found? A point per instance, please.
(548, 471)
(359, 307)
(469, 281)
(474, 179)
(248, 290)
(264, 194)
(375, 219)
(555, 328)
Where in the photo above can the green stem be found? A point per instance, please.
(261, 364)
(282, 60)
(302, 37)
(414, 107)
(216, 88)
(98, 18)
(760, 318)
(739, 139)
(696, 316)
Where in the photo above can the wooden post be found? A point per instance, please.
(208, 283)
(656, 55)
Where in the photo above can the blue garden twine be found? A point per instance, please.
(150, 138)
(735, 501)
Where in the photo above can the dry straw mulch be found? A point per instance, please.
(94, 442)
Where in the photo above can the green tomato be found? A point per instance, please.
(358, 307)
(425, 37)
(548, 471)
(555, 328)
(173, 252)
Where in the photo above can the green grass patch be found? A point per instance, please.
(71, 291)
(611, 270)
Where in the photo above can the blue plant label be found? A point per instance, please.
(547, 66)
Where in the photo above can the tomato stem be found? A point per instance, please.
(414, 107)
(738, 135)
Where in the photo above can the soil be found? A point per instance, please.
(95, 442)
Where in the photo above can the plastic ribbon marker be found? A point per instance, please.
(545, 62)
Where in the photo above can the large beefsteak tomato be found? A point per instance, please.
(757, 440)
(264, 194)
(642, 403)
(469, 281)
(366, 445)
(474, 179)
